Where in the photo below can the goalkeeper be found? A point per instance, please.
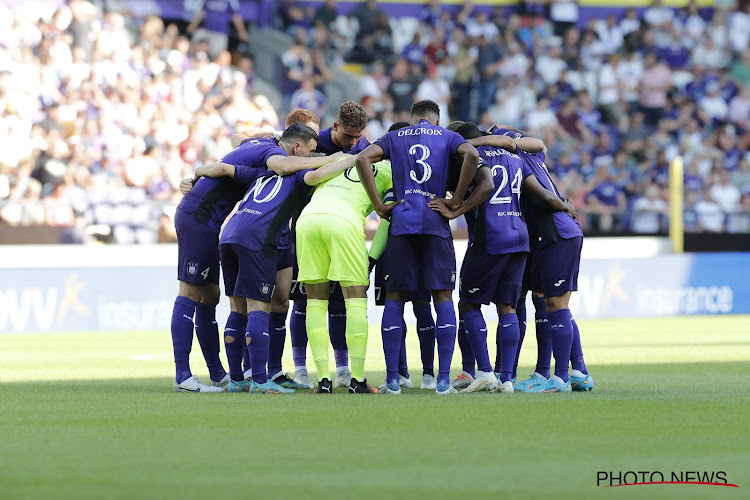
(331, 247)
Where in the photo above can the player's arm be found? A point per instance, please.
(525, 143)
(470, 161)
(528, 144)
(253, 133)
(379, 242)
(484, 188)
(545, 198)
(217, 169)
(329, 171)
(372, 154)
(285, 165)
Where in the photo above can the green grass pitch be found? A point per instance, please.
(93, 416)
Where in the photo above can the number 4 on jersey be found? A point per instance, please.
(204, 273)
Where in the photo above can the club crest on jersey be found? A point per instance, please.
(453, 277)
(192, 268)
(265, 288)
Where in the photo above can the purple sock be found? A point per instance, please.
(498, 351)
(246, 358)
(445, 335)
(337, 332)
(403, 366)
(476, 331)
(235, 328)
(426, 333)
(393, 315)
(521, 315)
(509, 336)
(467, 354)
(277, 331)
(182, 336)
(576, 352)
(543, 337)
(257, 333)
(298, 333)
(561, 325)
(207, 331)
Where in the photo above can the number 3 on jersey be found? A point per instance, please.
(515, 186)
(427, 169)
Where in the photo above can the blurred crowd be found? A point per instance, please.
(101, 114)
(615, 99)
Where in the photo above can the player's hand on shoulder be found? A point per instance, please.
(186, 185)
(386, 210)
(440, 205)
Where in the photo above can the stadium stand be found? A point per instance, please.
(103, 111)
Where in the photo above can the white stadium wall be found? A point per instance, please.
(91, 288)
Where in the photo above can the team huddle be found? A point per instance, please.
(293, 210)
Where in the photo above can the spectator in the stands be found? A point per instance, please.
(437, 90)
(713, 104)
(308, 97)
(740, 70)
(649, 211)
(606, 200)
(710, 216)
(466, 72)
(549, 66)
(489, 58)
(212, 23)
(367, 14)
(326, 13)
(723, 192)
(655, 82)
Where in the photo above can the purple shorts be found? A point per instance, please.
(284, 258)
(489, 278)
(247, 273)
(381, 289)
(531, 279)
(558, 266)
(424, 262)
(197, 250)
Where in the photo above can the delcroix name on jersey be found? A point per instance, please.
(420, 131)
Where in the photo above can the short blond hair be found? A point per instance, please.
(302, 116)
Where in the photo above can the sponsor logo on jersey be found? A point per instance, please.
(559, 282)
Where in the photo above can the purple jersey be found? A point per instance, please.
(547, 227)
(212, 198)
(218, 13)
(326, 145)
(265, 211)
(498, 227)
(419, 160)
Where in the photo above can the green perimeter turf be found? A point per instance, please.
(93, 416)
